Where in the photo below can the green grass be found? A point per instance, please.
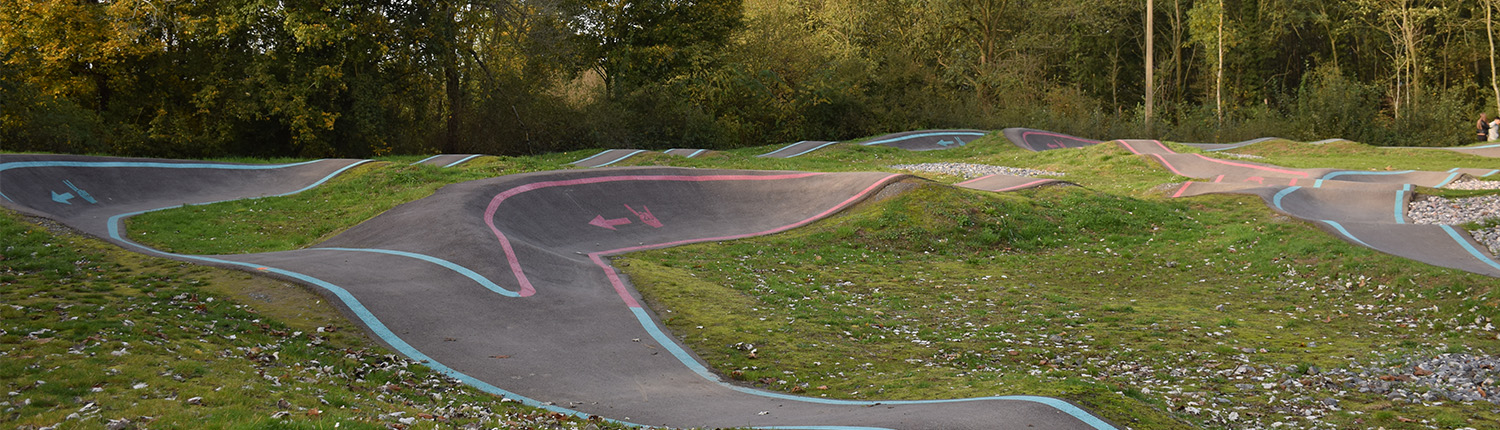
(90, 333)
(1109, 294)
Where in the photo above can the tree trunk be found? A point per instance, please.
(1489, 31)
(1150, 62)
(1219, 73)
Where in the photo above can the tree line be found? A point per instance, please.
(321, 78)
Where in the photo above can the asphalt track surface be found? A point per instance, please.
(518, 266)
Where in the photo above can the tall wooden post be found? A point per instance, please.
(1150, 61)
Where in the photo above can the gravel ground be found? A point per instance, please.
(971, 171)
(1473, 184)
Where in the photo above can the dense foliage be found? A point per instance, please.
(372, 77)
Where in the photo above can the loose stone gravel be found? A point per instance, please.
(971, 171)
(1473, 184)
(1425, 209)
(1446, 377)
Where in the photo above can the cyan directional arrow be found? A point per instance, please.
(81, 193)
(62, 198)
(944, 142)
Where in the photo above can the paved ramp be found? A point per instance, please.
(927, 140)
(518, 266)
(798, 149)
(687, 153)
(447, 160)
(1042, 140)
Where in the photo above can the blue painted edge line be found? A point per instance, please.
(914, 136)
(1283, 193)
(424, 160)
(697, 153)
(1318, 183)
(481, 280)
(152, 164)
(687, 360)
(1451, 177)
(1401, 203)
(1469, 247)
(325, 179)
(1340, 228)
(591, 157)
(1332, 175)
(471, 157)
(1492, 172)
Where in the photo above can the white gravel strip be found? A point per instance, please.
(1473, 184)
(971, 171)
(1242, 156)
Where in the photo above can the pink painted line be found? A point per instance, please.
(614, 277)
(1183, 189)
(1129, 147)
(527, 289)
(1218, 179)
(1164, 147)
(1028, 184)
(1169, 166)
(1293, 182)
(1252, 166)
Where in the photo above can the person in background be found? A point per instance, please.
(1494, 134)
(1484, 126)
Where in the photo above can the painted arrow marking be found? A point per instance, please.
(62, 198)
(81, 193)
(645, 215)
(609, 223)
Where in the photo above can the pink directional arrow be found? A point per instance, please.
(645, 215)
(609, 223)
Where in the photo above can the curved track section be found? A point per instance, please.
(518, 266)
(1365, 208)
(1042, 140)
(85, 192)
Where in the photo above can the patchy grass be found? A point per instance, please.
(92, 335)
